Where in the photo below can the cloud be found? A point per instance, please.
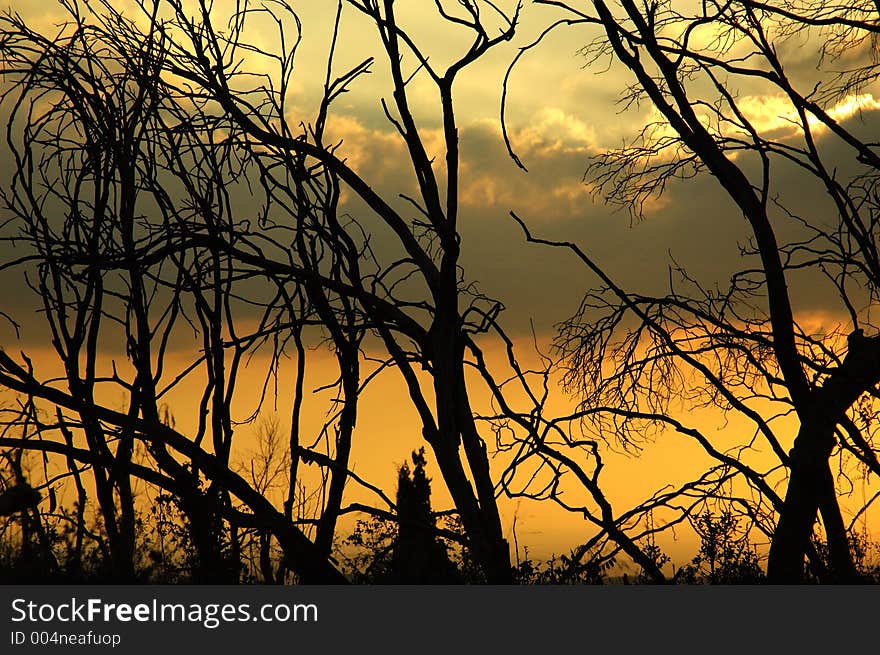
(376, 153)
(554, 144)
(775, 114)
(553, 130)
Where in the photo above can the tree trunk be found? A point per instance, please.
(478, 509)
(810, 486)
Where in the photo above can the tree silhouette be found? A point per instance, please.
(407, 546)
(141, 129)
(114, 178)
(166, 197)
(419, 557)
(743, 348)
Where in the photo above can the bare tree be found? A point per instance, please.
(133, 137)
(742, 348)
(151, 247)
(429, 329)
(118, 177)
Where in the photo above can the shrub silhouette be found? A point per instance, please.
(726, 556)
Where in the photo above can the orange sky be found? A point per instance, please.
(560, 115)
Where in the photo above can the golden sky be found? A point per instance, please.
(560, 114)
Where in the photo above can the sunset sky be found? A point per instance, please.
(559, 114)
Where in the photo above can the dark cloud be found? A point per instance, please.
(694, 223)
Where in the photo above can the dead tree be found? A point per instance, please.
(174, 120)
(120, 185)
(742, 348)
(429, 328)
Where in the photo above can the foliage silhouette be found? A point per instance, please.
(725, 557)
